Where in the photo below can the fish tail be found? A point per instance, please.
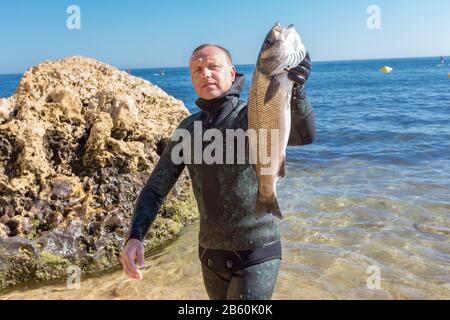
(267, 205)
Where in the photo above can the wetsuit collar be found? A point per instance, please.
(217, 109)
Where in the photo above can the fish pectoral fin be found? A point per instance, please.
(272, 89)
(282, 172)
(266, 205)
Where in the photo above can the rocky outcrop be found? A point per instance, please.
(78, 140)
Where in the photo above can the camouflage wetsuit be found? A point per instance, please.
(240, 252)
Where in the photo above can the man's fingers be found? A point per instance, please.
(140, 256)
(307, 58)
(134, 250)
(306, 63)
(132, 265)
(128, 271)
(127, 263)
(141, 259)
(300, 70)
(297, 78)
(126, 267)
(131, 273)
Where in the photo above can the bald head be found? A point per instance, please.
(206, 45)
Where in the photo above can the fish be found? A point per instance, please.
(269, 114)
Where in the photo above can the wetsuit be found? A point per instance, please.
(239, 251)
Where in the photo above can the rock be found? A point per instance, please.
(4, 231)
(54, 219)
(4, 219)
(24, 225)
(19, 225)
(114, 222)
(13, 225)
(62, 105)
(78, 141)
(6, 109)
(66, 187)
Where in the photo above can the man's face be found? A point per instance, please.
(211, 72)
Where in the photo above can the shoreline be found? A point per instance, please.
(34, 285)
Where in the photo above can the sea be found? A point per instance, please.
(366, 206)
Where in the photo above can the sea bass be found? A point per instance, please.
(269, 114)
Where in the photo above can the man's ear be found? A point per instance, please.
(233, 73)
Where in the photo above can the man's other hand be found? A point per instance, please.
(134, 250)
(300, 74)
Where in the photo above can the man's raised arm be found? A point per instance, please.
(303, 122)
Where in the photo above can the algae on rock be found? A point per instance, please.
(78, 141)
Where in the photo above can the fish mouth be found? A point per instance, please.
(278, 28)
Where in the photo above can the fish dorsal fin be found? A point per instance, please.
(272, 89)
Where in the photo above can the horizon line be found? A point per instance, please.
(238, 64)
(314, 61)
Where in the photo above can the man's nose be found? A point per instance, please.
(206, 73)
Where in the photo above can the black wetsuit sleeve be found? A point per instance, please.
(303, 122)
(164, 176)
(145, 212)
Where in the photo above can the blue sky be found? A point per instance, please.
(145, 33)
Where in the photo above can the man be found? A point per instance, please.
(239, 251)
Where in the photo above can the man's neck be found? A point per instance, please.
(215, 110)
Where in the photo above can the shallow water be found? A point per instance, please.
(316, 265)
(373, 190)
